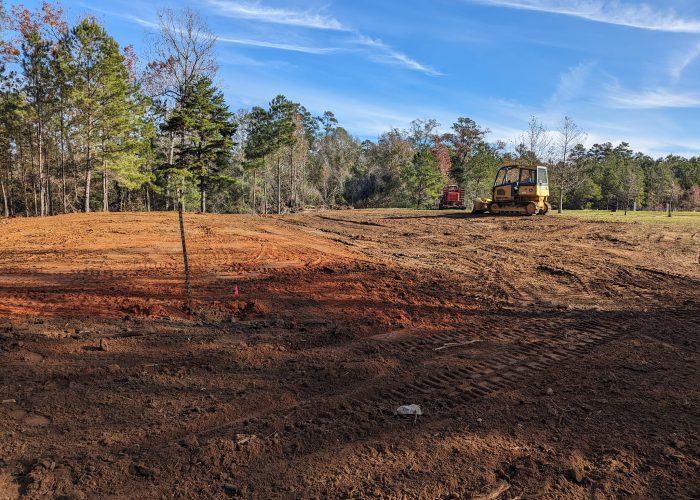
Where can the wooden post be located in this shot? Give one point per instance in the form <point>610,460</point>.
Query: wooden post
<point>188,287</point>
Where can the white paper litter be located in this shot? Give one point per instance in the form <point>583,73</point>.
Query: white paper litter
<point>409,410</point>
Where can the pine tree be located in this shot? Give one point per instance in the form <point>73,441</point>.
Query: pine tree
<point>422,177</point>
<point>282,121</point>
<point>106,110</point>
<point>206,127</point>
<point>259,145</point>
<point>87,45</point>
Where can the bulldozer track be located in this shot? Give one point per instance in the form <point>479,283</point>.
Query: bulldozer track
<point>357,411</point>
<point>439,391</point>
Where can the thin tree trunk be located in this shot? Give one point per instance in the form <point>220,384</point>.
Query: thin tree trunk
<point>105,191</point>
<point>279,186</point>
<point>36,202</point>
<point>265,182</point>
<point>49,197</point>
<point>23,173</point>
<point>171,152</point>
<point>64,195</point>
<point>88,179</point>
<point>171,157</point>
<point>167,192</point>
<point>11,190</point>
<point>561,201</point>
<point>254,189</point>
<point>33,174</point>
<point>4,198</point>
<point>42,178</point>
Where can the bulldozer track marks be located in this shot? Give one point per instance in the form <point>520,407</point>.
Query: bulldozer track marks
<point>356,410</point>
<point>440,392</point>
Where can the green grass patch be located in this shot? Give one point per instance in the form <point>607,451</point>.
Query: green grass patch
<point>682,218</point>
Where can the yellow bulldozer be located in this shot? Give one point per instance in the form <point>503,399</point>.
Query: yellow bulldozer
<point>518,189</point>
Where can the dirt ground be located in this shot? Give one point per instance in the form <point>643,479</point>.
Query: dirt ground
<point>552,357</point>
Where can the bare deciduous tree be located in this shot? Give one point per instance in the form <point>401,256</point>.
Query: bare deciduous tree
<point>536,143</point>
<point>568,170</point>
<point>183,53</point>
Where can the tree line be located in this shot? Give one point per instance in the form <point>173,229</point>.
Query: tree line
<point>85,126</point>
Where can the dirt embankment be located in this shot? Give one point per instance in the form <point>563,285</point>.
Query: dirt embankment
<point>552,356</point>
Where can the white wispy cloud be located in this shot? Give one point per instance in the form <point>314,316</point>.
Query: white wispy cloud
<point>650,99</point>
<point>385,53</point>
<point>375,49</point>
<point>257,12</point>
<point>572,83</point>
<point>138,20</point>
<point>633,15</point>
<point>233,40</point>
<point>279,46</point>
<point>682,61</point>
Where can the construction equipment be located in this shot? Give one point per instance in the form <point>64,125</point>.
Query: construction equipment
<point>452,198</point>
<point>518,189</point>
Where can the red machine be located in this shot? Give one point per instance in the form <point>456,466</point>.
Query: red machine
<point>452,198</point>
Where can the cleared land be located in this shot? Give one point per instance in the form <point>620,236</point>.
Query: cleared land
<point>557,356</point>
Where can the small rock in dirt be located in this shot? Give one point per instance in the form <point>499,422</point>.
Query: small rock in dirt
<point>677,443</point>
<point>104,345</point>
<point>113,368</point>
<point>142,470</point>
<point>190,441</point>
<point>500,488</point>
<point>231,489</point>
<point>550,391</point>
<point>8,401</point>
<point>577,471</point>
<point>674,454</point>
<point>244,438</point>
<point>36,420</point>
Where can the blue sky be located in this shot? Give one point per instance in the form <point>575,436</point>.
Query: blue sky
<point>623,70</point>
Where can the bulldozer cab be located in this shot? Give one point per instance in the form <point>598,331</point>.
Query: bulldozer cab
<point>517,174</point>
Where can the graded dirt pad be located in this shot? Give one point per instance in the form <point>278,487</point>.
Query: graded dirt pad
<point>552,357</point>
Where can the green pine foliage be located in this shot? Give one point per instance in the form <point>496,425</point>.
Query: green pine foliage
<point>205,128</point>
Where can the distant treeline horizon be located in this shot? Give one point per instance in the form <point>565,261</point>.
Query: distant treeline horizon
<point>85,126</point>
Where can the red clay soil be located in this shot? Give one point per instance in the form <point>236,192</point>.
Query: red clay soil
<point>552,357</point>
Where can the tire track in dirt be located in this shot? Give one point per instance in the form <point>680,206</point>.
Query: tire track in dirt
<point>444,393</point>
<point>361,412</point>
